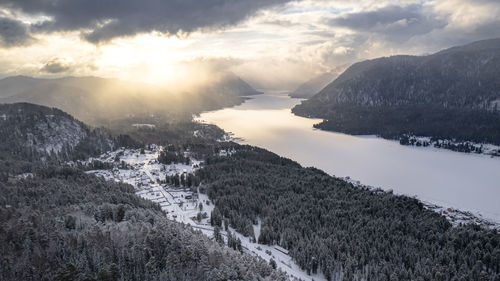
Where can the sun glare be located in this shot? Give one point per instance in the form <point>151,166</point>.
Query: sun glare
<point>147,58</point>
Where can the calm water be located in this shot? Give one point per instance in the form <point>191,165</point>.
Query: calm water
<point>450,179</point>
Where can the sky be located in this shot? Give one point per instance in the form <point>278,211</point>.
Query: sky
<point>272,44</point>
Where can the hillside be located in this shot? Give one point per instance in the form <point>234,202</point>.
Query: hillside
<point>34,133</point>
<point>230,84</point>
<point>347,232</point>
<point>452,94</point>
<point>316,84</point>
<point>98,100</point>
<point>66,225</point>
<point>313,86</point>
<point>59,223</point>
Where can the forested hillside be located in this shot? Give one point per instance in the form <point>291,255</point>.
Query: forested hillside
<point>398,95</point>
<point>342,230</point>
<point>66,225</point>
<point>31,133</point>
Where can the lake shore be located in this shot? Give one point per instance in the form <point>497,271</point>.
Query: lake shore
<point>454,180</point>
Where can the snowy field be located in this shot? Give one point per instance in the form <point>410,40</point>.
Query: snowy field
<point>147,176</point>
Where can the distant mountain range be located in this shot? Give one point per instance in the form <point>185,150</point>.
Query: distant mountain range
<point>94,99</point>
<point>452,94</point>
<point>316,84</point>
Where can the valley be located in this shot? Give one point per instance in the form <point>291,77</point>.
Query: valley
<point>249,140</point>
<point>183,204</point>
<point>455,180</point>
<point>267,209</point>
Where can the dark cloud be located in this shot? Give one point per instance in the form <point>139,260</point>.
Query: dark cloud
<point>13,33</point>
<point>321,33</point>
<point>487,30</point>
<point>457,36</point>
<point>55,66</point>
<point>106,19</point>
<point>394,23</point>
<point>282,23</point>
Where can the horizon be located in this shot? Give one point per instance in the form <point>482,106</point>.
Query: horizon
<point>266,90</point>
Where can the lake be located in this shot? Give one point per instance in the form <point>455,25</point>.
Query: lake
<point>467,182</point>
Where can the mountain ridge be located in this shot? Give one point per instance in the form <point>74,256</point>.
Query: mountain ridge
<point>96,100</point>
<point>33,135</point>
<point>461,79</point>
<point>317,83</point>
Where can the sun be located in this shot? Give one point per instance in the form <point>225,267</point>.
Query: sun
<point>146,58</point>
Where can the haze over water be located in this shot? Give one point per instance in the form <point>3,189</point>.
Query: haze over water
<point>451,179</point>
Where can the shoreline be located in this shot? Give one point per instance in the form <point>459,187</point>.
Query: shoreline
<point>455,216</point>
<point>453,212</point>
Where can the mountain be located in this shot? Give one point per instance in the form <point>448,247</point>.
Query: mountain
<point>452,94</point>
<point>14,85</point>
<point>313,86</point>
<point>230,84</point>
<point>316,84</point>
<point>32,133</point>
<point>98,100</point>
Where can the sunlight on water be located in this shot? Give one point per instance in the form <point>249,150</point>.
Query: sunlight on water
<point>451,179</point>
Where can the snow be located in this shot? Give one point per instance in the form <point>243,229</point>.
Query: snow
<point>51,135</point>
<point>487,148</point>
<point>149,126</point>
<point>283,261</point>
<point>25,176</point>
<point>145,174</point>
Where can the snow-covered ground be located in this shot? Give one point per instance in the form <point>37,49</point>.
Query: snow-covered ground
<point>147,175</point>
<point>483,148</point>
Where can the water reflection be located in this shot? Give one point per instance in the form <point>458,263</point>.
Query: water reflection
<point>465,181</point>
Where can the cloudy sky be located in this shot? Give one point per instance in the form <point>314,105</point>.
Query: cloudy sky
<point>273,44</point>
